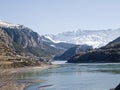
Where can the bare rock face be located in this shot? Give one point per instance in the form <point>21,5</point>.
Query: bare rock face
<point>23,35</point>
<point>5,38</point>
<point>24,40</point>
<point>20,46</point>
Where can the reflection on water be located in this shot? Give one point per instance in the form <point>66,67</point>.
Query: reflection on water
<point>75,77</point>
<point>59,62</point>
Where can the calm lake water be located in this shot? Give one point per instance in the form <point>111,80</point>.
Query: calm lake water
<point>75,77</point>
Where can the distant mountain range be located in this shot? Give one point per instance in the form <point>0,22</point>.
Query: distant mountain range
<point>20,44</point>
<point>61,46</point>
<point>73,51</point>
<point>95,38</point>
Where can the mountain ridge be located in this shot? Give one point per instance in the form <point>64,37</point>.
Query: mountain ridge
<point>21,46</point>
<point>25,39</point>
<point>95,38</point>
<point>73,51</point>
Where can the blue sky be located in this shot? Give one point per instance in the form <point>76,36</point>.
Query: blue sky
<point>54,16</point>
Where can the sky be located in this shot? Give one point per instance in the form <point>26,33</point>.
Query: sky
<point>55,16</point>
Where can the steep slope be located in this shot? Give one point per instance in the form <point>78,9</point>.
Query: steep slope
<point>95,38</point>
<point>106,54</point>
<point>5,38</point>
<point>115,41</point>
<point>10,59</point>
<point>25,40</point>
<point>20,46</point>
<point>73,51</point>
<point>58,45</point>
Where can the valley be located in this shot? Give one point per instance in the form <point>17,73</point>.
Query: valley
<point>23,51</point>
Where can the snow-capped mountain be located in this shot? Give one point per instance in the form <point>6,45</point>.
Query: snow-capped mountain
<point>11,25</point>
<point>95,38</point>
<point>56,44</point>
<point>7,24</point>
<point>22,39</point>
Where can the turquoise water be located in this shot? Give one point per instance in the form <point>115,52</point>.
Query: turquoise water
<point>75,77</point>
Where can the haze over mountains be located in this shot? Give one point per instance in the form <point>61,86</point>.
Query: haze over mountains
<point>95,38</point>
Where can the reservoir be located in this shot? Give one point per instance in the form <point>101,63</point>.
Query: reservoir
<point>90,76</point>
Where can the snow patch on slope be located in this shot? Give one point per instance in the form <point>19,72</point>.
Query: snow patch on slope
<point>6,24</point>
<point>50,38</point>
<point>95,38</point>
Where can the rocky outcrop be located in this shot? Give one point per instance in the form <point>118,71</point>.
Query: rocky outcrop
<point>4,38</point>
<point>118,87</point>
<point>23,35</point>
<point>107,54</point>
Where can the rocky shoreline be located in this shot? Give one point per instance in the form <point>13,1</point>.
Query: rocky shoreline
<point>116,88</point>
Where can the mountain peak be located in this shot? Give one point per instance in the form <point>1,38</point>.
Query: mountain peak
<point>7,24</point>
